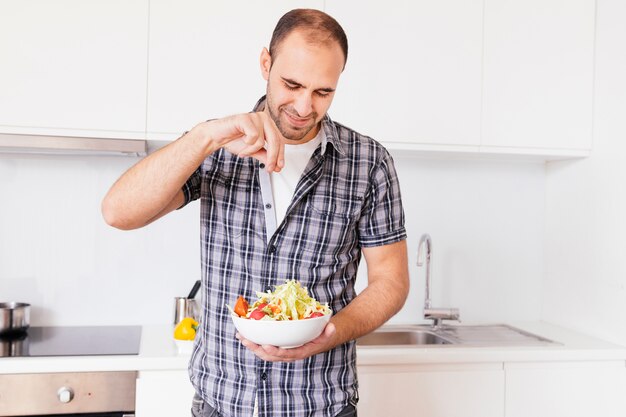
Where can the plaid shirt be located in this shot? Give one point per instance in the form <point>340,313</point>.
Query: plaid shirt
<point>348,198</point>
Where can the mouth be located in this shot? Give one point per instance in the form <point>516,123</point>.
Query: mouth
<point>297,122</point>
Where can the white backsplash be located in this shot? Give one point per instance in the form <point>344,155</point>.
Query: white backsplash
<point>485,217</point>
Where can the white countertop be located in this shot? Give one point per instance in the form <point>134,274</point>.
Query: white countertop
<point>158,351</point>
<point>570,346</point>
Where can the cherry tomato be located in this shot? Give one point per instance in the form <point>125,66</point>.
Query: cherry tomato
<point>275,309</point>
<point>257,314</point>
<point>316,314</point>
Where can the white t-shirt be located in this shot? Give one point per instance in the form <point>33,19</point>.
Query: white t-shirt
<point>284,182</point>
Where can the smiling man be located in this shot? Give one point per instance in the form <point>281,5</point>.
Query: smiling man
<point>286,193</point>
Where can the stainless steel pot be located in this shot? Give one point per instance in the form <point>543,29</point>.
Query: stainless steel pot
<point>14,344</point>
<point>14,318</point>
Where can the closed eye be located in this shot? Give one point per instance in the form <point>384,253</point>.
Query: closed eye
<point>292,86</point>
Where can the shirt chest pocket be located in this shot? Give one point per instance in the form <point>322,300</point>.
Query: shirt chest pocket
<point>234,203</point>
<point>338,205</point>
<point>332,226</point>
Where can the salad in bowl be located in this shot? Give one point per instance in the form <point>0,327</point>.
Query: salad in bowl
<point>286,317</point>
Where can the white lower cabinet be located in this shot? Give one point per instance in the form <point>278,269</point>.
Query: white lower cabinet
<point>163,394</point>
<point>511,389</point>
<point>386,390</point>
<point>567,389</point>
<point>431,390</point>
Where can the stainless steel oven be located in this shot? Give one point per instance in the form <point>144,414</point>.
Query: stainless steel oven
<point>94,394</point>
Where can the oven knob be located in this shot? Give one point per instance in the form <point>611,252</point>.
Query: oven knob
<point>65,394</point>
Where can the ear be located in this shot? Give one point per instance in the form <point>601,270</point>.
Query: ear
<point>266,64</point>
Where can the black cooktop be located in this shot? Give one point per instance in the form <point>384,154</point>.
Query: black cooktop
<point>72,341</point>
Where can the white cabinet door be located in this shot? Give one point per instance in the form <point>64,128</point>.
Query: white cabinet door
<point>163,394</point>
<point>538,73</point>
<point>576,389</point>
<point>414,70</point>
<point>73,67</point>
<point>204,59</point>
<point>431,390</point>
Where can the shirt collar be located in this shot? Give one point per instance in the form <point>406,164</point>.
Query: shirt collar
<point>330,130</point>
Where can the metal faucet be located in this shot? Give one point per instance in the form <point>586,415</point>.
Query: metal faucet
<point>436,314</point>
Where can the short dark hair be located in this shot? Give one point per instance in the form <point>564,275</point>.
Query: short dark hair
<point>317,27</point>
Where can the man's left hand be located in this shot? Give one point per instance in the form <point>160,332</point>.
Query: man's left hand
<point>270,353</point>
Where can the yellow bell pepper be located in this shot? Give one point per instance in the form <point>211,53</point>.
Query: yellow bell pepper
<point>186,329</point>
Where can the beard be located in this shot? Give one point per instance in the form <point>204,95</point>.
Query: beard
<point>288,132</point>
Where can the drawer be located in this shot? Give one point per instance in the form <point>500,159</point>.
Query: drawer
<point>67,393</point>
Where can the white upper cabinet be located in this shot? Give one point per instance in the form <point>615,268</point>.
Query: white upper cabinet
<point>510,77</point>
<point>538,74</point>
<point>73,67</point>
<point>414,70</point>
<point>204,59</point>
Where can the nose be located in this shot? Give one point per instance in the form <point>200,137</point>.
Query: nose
<point>303,103</point>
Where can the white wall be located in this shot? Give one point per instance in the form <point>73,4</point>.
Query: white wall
<point>57,253</point>
<point>486,222</point>
<point>485,218</point>
<point>585,273</point>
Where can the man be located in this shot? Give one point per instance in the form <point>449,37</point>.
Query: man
<point>286,193</point>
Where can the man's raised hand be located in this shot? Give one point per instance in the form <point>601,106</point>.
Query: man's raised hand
<point>248,135</point>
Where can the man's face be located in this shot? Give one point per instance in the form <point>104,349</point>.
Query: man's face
<point>301,83</point>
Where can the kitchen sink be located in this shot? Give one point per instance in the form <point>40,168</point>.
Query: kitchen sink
<point>486,335</point>
<point>401,338</point>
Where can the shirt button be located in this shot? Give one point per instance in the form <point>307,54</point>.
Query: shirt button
<point>261,165</point>
<point>263,376</point>
<point>272,249</point>
<point>268,206</point>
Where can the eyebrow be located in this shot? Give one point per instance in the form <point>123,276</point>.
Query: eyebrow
<point>297,84</point>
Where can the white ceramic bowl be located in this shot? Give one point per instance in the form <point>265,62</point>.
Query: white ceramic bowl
<point>284,334</point>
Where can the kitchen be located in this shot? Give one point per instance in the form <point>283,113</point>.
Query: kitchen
<point>522,234</point>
